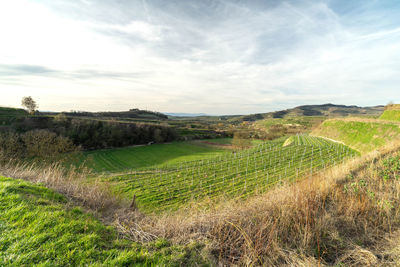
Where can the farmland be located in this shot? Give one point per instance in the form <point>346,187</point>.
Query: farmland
<point>206,188</point>
<point>151,156</point>
<point>129,158</point>
<point>229,175</point>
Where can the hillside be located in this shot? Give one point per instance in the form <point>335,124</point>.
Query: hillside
<point>364,135</point>
<point>392,113</point>
<point>9,115</point>
<point>241,174</point>
<point>132,114</point>
<point>40,227</point>
<point>326,110</point>
<point>134,157</point>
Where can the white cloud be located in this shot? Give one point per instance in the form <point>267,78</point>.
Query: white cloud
<point>236,59</point>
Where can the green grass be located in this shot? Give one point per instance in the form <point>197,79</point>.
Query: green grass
<point>39,228</point>
<point>219,141</point>
<point>4,111</point>
<point>230,175</point>
<point>128,158</point>
<point>363,136</point>
<point>392,115</point>
<point>9,115</point>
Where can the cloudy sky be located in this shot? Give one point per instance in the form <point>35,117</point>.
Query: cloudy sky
<point>211,56</point>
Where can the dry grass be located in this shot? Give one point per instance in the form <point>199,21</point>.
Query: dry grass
<point>329,219</point>
<point>71,183</point>
<point>339,217</point>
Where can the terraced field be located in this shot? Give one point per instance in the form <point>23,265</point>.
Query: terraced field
<point>229,175</point>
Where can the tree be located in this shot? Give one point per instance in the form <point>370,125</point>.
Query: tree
<point>29,103</point>
<point>241,140</point>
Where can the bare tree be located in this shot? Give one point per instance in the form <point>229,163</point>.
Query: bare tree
<point>29,103</point>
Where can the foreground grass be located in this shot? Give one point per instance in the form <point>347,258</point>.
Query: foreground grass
<point>38,227</point>
<point>364,136</point>
<point>128,158</point>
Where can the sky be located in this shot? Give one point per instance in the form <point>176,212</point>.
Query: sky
<point>198,56</point>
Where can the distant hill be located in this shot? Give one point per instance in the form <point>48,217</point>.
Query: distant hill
<point>130,114</point>
<point>327,110</point>
<point>186,114</point>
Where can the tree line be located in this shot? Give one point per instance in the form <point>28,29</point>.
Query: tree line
<point>43,135</point>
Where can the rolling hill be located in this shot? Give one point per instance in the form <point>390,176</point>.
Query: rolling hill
<point>325,110</point>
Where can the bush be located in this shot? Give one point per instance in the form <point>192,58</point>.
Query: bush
<point>35,143</point>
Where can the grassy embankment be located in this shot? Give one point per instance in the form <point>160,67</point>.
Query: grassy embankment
<point>40,227</point>
<point>229,175</point>
<point>364,135</point>
<point>392,113</point>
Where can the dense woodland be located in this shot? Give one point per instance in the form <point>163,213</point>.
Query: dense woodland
<point>66,134</point>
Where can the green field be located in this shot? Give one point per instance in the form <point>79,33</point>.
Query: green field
<point>129,158</point>
<point>363,136</point>
<point>228,175</point>
<point>39,228</point>
<point>391,115</point>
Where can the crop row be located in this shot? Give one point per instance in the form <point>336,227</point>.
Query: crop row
<point>234,175</point>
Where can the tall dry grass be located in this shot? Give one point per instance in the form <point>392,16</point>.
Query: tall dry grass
<point>71,182</point>
<point>336,217</point>
<point>339,216</point>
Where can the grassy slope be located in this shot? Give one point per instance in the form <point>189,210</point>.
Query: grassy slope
<point>232,175</point>
<point>392,115</point>
<point>4,111</point>
<point>39,228</point>
<point>123,159</point>
<point>8,115</point>
<point>363,136</point>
